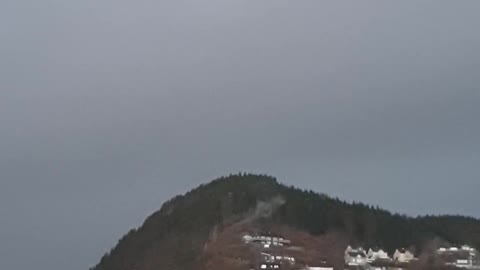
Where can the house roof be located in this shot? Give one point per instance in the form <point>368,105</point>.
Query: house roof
<point>403,251</point>
<point>349,248</point>
<point>356,253</point>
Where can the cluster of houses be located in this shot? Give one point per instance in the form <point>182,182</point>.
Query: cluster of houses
<point>464,257</point>
<point>360,257</point>
<point>272,253</point>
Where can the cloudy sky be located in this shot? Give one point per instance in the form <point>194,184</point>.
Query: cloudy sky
<point>108,108</point>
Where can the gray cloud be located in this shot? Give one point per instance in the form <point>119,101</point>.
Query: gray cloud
<point>110,108</point>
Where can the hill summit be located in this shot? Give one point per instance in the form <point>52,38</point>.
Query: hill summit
<point>203,228</point>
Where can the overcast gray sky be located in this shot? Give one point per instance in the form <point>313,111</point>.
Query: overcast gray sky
<point>108,108</point>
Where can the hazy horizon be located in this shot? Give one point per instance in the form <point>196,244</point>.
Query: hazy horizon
<point>109,108</point>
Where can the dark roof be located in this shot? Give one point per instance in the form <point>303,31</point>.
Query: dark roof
<point>356,253</point>
<point>403,250</point>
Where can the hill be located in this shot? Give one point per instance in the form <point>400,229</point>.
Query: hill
<point>202,229</point>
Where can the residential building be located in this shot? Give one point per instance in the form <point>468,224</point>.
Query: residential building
<point>403,256</point>
<point>355,256</point>
<point>267,241</point>
<point>375,254</point>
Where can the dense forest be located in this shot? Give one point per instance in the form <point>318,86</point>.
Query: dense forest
<point>174,237</point>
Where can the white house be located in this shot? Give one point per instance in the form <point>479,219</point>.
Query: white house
<point>442,250</point>
<point>323,265</point>
<point>319,268</point>
<point>247,238</point>
<point>469,249</point>
<point>355,256</point>
<point>266,241</point>
<point>269,258</point>
<point>377,254</point>
<point>403,256</point>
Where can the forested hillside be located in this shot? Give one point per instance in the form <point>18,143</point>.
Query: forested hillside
<point>175,236</point>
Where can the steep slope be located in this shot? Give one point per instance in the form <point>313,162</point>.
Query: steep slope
<point>193,230</point>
